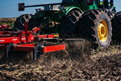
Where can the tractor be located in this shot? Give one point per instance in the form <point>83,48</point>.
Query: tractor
<point>94,20</point>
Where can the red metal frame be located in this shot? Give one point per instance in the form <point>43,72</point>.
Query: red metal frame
<point>53,48</point>
<point>35,29</point>
<point>24,47</point>
<point>46,49</point>
<point>22,40</point>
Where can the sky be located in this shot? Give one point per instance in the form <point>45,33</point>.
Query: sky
<point>9,8</point>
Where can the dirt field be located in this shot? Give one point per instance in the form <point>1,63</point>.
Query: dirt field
<point>8,21</point>
<point>77,63</point>
<point>12,19</point>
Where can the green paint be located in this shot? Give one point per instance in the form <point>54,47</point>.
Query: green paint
<point>69,5</point>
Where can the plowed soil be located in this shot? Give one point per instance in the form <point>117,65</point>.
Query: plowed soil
<point>77,63</point>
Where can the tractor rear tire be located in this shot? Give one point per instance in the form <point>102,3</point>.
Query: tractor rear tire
<point>95,26</point>
<point>68,27</point>
<point>110,14</point>
<point>32,22</point>
<point>116,25</point>
<point>19,23</point>
<point>35,23</point>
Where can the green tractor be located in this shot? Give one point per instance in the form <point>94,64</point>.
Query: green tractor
<point>94,20</point>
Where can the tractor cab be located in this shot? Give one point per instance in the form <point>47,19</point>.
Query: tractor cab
<point>71,1</point>
<point>87,2</point>
<point>104,3</point>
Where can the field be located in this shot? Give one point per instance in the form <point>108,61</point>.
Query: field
<point>9,21</point>
<point>79,62</point>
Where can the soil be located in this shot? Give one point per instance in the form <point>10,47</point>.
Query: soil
<point>8,19</point>
<point>77,63</point>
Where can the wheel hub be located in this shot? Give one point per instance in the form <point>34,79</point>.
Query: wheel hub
<point>102,31</point>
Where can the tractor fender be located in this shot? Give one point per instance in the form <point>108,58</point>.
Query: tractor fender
<point>69,9</point>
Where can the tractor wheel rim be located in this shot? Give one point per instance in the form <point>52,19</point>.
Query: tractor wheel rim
<point>102,31</point>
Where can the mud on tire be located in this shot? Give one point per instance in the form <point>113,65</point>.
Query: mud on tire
<point>89,25</point>
<point>109,13</point>
<point>68,27</point>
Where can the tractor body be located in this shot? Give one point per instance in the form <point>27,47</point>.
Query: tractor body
<point>52,14</point>
<point>65,18</point>
<point>57,11</point>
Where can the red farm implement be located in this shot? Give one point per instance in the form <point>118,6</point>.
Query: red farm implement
<point>3,27</point>
<point>28,41</point>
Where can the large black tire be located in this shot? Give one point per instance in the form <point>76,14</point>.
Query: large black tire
<point>68,27</point>
<point>32,22</point>
<point>89,27</point>
<point>110,13</point>
<point>35,22</point>
<point>19,23</point>
<point>116,25</point>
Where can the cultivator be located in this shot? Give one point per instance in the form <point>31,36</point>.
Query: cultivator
<point>4,27</point>
<point>28,41</point>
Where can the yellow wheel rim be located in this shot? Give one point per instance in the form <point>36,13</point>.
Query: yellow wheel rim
<point>102,31</point>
